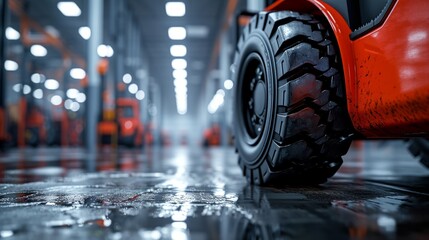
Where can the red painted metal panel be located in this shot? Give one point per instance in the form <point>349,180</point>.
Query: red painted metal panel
<point>392,88</point>
<point>386,72</point>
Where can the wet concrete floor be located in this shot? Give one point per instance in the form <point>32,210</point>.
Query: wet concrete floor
<point>381,192</point>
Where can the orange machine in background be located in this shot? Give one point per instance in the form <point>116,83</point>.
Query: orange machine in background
<point>212,136</point>
<point>129,125</point>
<point>35,131</point>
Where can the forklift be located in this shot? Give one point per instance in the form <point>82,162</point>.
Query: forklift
<point>313,75</point>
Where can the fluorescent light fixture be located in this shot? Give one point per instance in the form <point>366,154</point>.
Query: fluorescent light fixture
<point>177,33</point>
<point>175,9</point>
<point>110,51</point>
<point>178,50</point>
<point>38,50</point>
<point>180,88</point>
<point>75,106</point>
<point>220,92</point>
<point>68,103</point>
<point>228,84</point>
<point>10,65</point>
<point>180,74</point>
<point>216,101</point>
<point>26,90</point>
<point>37,78</point>
<point>182,110</point>
<point>56,100</point>
<point>133,88</point>
<point>81,98</point>
<point>179,63</point>
<point>105,50</point>
<point>17,87</point>
<point>140,95</point>
<point>69,9</point>
<point>6,233</point>
<point>77,73</point>
<point>72,93</point>
<point>38,93</point>
<point>85,32</point>
<point>180,82</point>
<point>12,34</point>
<point>181,95</point>
<point>52,84</point>
<point>127,78</point>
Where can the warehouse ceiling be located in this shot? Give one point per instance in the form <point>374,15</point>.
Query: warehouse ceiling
<point>203,20</point>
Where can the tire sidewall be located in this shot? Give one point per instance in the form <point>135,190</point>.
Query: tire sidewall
<point>253,154</point>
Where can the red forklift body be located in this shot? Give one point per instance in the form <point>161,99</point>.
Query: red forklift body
<point>385,69</point>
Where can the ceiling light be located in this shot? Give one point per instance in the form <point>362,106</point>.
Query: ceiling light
<point>36,77</point>
<point>72,93</point>
<point>180,74</point>
<point>180,82</point>
<point>26,90</point>
<point>56,100</point>
<point>180,89</point>
<point>177,33</point>
<point>140,95</point>
<point>81,98</point>
<point>105,50</point>
<point>182,111</point>
<point>51,84</point>
<point>228,84</point>
<point>38,50</point>
<point>110,51</point>
<point>85,32</point>
<point>220,92</point>
<point>179,63</point>
<point>178,50</point>
<point>69,9</point>
<point>10,65</point>
<point>38,93</point>
<point>68,103</point>
<point>133,88</point>
<point>17,87</point>
<point>216,102</point>
<point>127,78</point>
<point>75,106</point>
<point>12,34</point>
<point>175,9</point>
<point>77,73</point>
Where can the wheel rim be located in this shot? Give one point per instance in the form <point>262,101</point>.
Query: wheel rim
<point>254,98</point>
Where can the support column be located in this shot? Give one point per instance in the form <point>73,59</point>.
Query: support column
<point>3,10</point>
<point>93,102</point>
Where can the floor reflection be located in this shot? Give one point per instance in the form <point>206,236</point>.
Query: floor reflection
<point>380,192</point>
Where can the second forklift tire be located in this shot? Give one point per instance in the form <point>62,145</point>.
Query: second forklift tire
<point>290,119</point>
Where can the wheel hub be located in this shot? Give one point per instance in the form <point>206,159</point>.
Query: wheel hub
<point>259,97</point>
<point>255,97</point>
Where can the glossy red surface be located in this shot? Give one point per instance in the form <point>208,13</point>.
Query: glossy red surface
<point>385,71</point>
<point>391,97</point>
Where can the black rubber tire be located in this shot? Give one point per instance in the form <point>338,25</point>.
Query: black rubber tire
<point>304,129</point>
<point>419,147</point>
